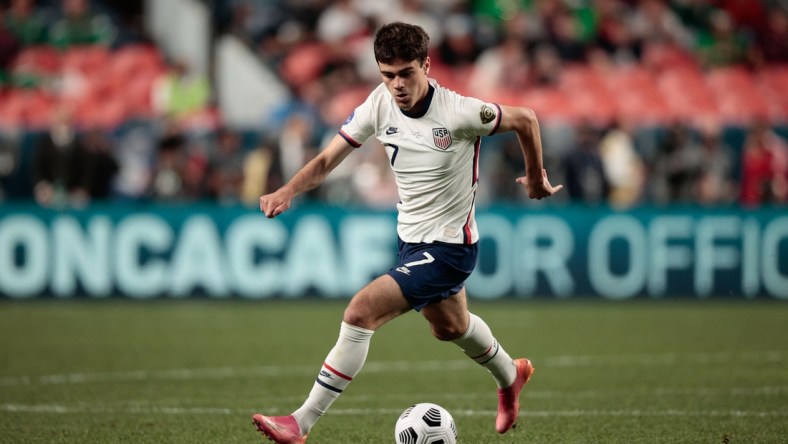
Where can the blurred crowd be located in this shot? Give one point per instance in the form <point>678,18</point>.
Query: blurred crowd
<point>178,150</point>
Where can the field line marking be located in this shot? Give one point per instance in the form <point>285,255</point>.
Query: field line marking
<point>63,409</point>
<point>561,361</point>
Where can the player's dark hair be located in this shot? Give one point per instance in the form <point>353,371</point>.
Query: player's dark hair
<point>402,42</point>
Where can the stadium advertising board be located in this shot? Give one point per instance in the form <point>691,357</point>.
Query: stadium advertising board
<point>173,252</point>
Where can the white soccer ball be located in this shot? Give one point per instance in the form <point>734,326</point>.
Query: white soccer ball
<point>425,423</point>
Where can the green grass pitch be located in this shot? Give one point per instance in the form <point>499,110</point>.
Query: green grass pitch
<point>195,372</point>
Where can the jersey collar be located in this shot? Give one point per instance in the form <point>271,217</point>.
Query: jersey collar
<point>427,102</point>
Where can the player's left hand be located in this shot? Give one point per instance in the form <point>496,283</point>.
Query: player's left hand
<point>538,187</point>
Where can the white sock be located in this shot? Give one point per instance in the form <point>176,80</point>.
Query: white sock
<point>342,364</point>
<point>480,345</point>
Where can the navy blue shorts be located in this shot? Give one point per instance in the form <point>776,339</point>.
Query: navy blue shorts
<point>429,273</point>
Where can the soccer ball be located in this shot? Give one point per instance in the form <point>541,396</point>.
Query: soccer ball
<point>425,423</point>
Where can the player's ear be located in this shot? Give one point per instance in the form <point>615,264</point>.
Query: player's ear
<point>426,65</point>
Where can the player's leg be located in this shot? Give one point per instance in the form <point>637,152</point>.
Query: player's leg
<point>376,304</point>
<point>451,321</point>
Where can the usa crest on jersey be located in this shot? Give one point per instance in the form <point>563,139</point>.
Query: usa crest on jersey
<point>441,137</point>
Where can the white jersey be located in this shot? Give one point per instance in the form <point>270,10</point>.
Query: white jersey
<point>434,156</point>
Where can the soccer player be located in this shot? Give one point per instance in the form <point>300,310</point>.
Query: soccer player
<point>432,138</point>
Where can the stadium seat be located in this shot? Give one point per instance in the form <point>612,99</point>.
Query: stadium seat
<point>659,57</point>
<point>87,60</point>
<point>30,109</point>
<point>686,94</point>
<point>304,64</point>
<point>131,59</point>
<point>772,83</point>
<point>636,95</point>
<point>343,103</point>
<point>107,112</point>
<point>590,98</point>
<point>737,96</point>
<point>550,104</point>
<point>34,65</point>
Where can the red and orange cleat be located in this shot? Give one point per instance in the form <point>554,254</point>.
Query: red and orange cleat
<point>279,429</point>
<point>509,397</point>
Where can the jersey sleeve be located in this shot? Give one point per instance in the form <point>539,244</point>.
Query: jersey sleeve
<point>360,125</point>
<point>478,118</point>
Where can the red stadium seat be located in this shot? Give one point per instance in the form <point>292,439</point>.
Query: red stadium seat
<point>687,95</point>
<point>550,104</point>
<point>106,113</point>
<point>589,95</point>
<point>660,57</point>
<point>737,96</point>
<point>304,64</point>
<point>344,102</point>
<point>31,109</point>
<point>35,65</point>
<point>86,59</point>
<point>772,83</point>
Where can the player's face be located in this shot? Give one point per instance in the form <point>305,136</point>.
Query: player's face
<point>406,81</point>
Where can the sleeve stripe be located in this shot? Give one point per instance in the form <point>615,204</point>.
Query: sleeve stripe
<point>497,120</point>
<point>349,139</point>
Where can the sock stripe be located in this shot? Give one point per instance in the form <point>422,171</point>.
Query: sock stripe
<point>485,352</point>
<point>496,352</point>
<point>330,387</point>
<point>341,375</point>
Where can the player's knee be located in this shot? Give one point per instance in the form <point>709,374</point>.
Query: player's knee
<point>447,332</point>
<point>358,319</point>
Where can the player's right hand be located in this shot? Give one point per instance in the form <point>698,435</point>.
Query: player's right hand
<point>274,204</point>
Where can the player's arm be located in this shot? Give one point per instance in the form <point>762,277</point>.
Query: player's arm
<point>307,178</point>
<point>523,122</point>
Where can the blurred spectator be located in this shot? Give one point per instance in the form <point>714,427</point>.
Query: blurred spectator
<point>226,167</point>
<point>566,38</point>
<point>547,66</point>
<point>261,174</point>
<point>196,173</point>
<point>716,184</point>
<point>59,165</point>
<point>747,15</point>
<point>676,167</point>
<point>623,166</point>
<point>764,166</point>
<point>722,45</point>
<point>136,154</point>
<point>26,23</point>
<point>458,49</point>
<point>504,165</point>
<point>9,159</point>
<point>585,174</point>
<point>251,20</point>
<point>9,48</point>
<point>180,93</point>
<point>654,22</point>
<point>773,39</point>
<point>414,12</point>
<point>100,166</point>
<point>170,167</point>
<point>340,21</point>
<point>296,144</point>
<point>502,67</point>
<point>131,29</point>
<point>614,35</point>
<point>80,26</point>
